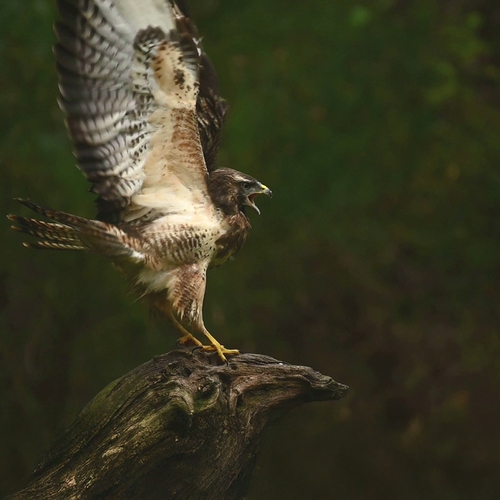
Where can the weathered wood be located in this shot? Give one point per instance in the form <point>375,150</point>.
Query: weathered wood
<point>179,426</point>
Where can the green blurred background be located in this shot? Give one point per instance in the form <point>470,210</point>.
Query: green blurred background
<point>377,125</point>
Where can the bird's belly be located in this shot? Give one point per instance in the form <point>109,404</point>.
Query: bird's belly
<point>172,251</point>
<point>168,247</point>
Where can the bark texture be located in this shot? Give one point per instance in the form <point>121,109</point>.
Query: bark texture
<point>180,426</point>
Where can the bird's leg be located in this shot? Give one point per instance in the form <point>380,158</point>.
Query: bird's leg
<point>217,346</point>
<point>185,300</point>
<point>187,338</point>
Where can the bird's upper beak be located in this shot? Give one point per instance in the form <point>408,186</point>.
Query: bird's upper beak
<point>261,190</point>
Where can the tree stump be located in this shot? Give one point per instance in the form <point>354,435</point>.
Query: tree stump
<point>181,426</point>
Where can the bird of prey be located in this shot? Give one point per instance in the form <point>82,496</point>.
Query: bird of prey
<point>145,115</point>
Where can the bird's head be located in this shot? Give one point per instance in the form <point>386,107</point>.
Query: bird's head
<point>232,191</point>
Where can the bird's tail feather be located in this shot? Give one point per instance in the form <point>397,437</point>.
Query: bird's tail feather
<point>61,235</point>
<point>70,232</point>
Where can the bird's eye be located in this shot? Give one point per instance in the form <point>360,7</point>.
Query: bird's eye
<point>247,185</point>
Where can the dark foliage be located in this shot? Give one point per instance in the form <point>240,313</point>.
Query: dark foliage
<point>377,126</point>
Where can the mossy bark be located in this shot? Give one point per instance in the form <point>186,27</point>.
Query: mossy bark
<point>180,426</point>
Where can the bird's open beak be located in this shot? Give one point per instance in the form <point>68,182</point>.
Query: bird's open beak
<point>263,190</point>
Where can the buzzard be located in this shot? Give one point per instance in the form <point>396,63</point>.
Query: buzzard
<point>145,115</point>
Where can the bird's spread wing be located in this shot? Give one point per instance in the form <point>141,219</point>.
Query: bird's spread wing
<point>143,129</point>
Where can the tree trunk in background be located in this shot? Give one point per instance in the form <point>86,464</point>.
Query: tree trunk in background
<point>179,426</point>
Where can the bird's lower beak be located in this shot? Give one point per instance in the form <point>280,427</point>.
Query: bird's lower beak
<point>263,190</point>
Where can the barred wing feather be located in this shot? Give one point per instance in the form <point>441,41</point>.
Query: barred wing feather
<point>129,82</point>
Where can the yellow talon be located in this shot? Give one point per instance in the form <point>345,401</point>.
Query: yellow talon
<point>221,350</point>
<point>188,339</point>
<point>217,346</point>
